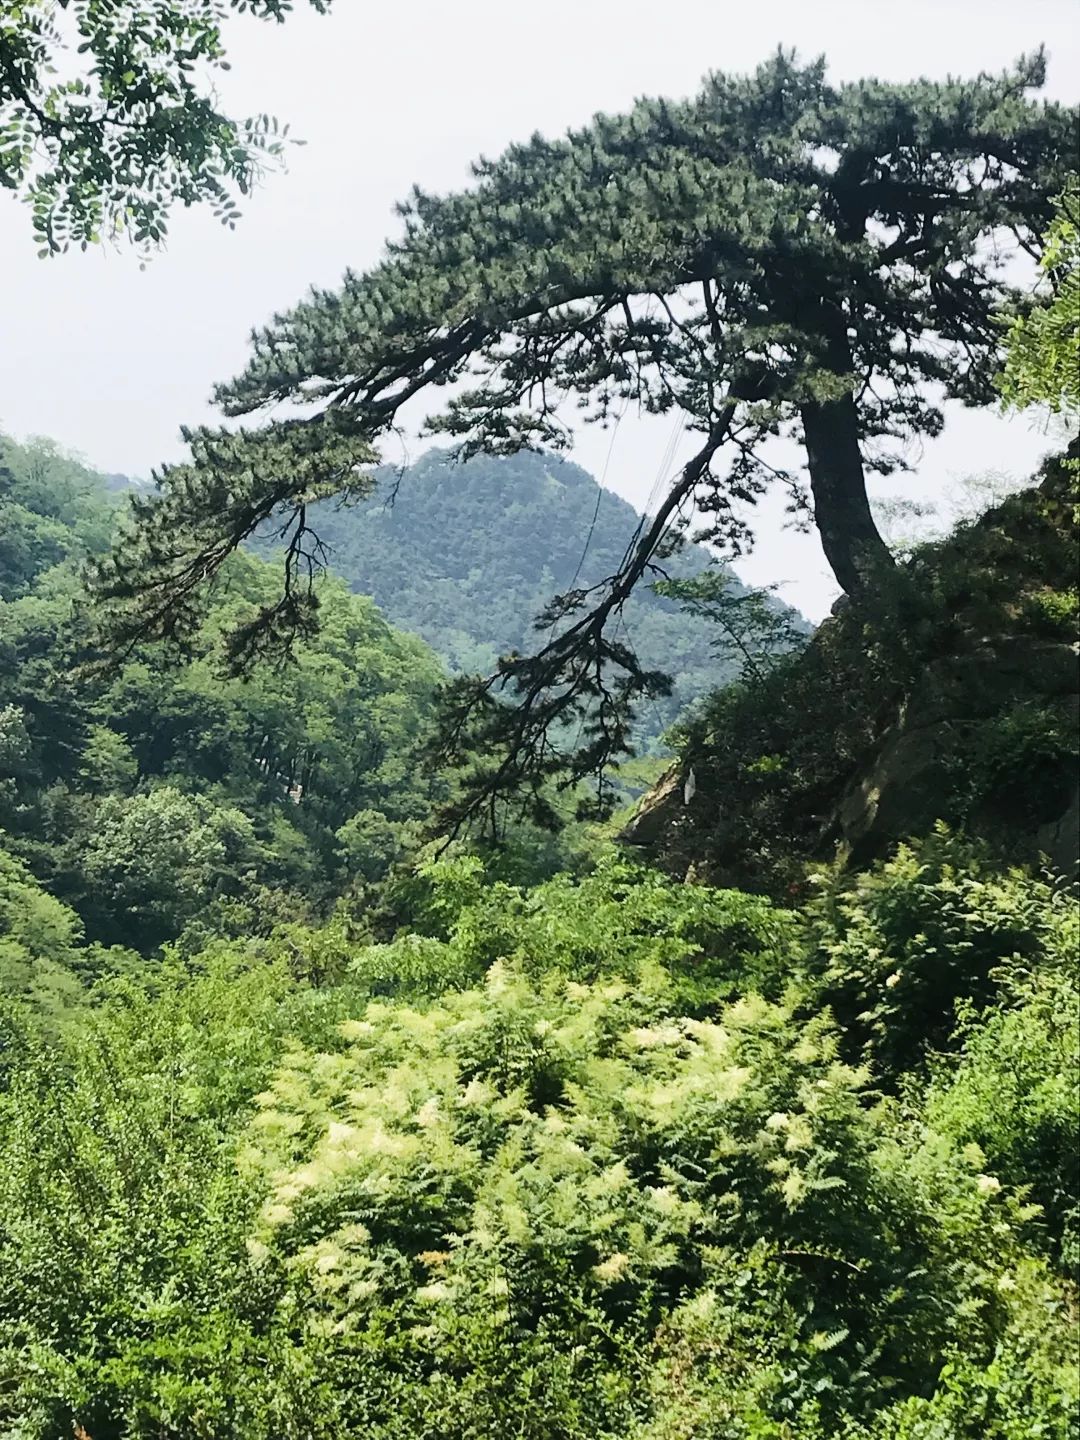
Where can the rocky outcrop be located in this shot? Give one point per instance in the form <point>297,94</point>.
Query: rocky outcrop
<point>1059,840</point>
<point>905,785</point>
<point>953,693</point>
<point>900,793</point>
<point>657,811</point>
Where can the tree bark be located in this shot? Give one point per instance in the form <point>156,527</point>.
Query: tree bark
<point>849,537</point>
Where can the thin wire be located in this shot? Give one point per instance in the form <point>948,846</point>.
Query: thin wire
<point>654,492</point>
<point>599,493</point>
<point>658,482</point>
<point>661,476</point>
<point>665,462</point>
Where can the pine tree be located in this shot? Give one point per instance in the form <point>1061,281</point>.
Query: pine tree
<point>777,256</point>
<point>1042,360</point>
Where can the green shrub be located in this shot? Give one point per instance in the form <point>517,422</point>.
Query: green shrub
<point>550,1182</point>
<point>39,944</point>
<point>1027,1389</point>
<point>129,1301</point>
<point>715,943</point>
<point>44,964</point>
<point>899,951</point>
<point>1015,1092</point>
<point>1056,610</point>
<point>527,1201</point>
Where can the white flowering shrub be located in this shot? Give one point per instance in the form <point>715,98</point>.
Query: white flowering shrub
<point>523,1177</point>
<point>562,1208</point>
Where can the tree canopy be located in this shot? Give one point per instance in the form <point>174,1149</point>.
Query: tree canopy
<point>102,141</point>
<point>163,798</point>
<point>1042,361</point>
<point>776,256</point>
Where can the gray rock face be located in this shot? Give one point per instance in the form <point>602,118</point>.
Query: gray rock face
<point>907,783</point>
<point>1059,840</point>
<point>657,810</point>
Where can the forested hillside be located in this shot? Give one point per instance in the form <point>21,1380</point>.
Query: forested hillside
<point>357,1078</point>
<point>468,555</point>
<point>163,797</point>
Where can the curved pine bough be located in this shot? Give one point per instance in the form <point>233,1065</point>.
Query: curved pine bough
<point>776,257</point>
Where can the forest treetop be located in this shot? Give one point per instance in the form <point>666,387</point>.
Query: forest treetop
<point>759,256</point>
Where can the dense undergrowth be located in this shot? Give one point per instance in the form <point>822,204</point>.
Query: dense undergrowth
<point>610,1157</point>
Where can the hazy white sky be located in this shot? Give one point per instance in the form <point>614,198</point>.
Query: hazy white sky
<point>110,360</point>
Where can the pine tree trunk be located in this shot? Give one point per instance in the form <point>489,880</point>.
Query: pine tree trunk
<point>849,537</point>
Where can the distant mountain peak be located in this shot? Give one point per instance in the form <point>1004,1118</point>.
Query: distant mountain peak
<point>467,553</point>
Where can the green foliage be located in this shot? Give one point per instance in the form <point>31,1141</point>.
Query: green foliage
<point>1042,348</point>
<point>548,1165</point>
<point>54,509</point>
<point>537,1187</point>
<point>1027,1390</point>
<point>162,798</point>
<point>1058,609</point>
<point>38,942</point>
<point>102,138</point>
<point>457,1173</point>
<point>900,952</point>
<point>495,1149</point>
<point>156,861</point>
<point>618,921</point>
<point>47,970</point>
<point>750,628</point>
<point>1019,763</point>
<point>1016,1090</point>
<point>108,763</point>
<point>130,1304</point>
